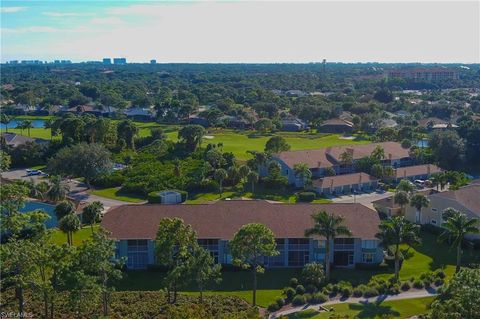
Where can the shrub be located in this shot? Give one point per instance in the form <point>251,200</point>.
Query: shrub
<point>306,196</point>
<point>289,292</point>
<point>406,286</point>
<point>273,307</point>
<point>293,282</point>
<point>114,179</point>
<point>299,300</point>
<point>357,292</point>
<point>153,197</point>
<point>346,292</point>
<point>311,289</point>
<point>318,298</point>
<point>394,289</point>
<point>439,282</point>
<point>418,284</point>
<point>300,290</point>
<point>439,273</point>
<point>370,292</point>
<point>427,282</point>
<point>280,302</point>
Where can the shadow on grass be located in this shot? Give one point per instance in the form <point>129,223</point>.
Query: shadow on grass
<point>372,310</point>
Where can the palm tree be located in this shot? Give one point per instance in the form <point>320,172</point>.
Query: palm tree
<point>395,232</point>
<point>233,174</point>
<point>457,225</point>
<point>302,171</point>
<point>27,125</point>
<point>5,119</point>
<point>419,201</point>
<point>92,213</point>
<point>64,208</point>
<point>406,186</point>
<point>177,169</point>
<point>48,124</point>
<point>252,177</point>
<point>328,226</point>
<point>220,175</point>
<point>69,224</point>
<point>401,198</point>
<point>58,189</point>
<point>243,171</point>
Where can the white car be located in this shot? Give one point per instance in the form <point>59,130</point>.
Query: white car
<point>419,183</point>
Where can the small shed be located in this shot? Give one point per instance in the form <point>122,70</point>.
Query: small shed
<point>170,197</point>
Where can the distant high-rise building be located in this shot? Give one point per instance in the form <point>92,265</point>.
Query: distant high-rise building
<point>13,62</point>
<point>119,61</point>
<point>107,61</point>
<point>153,61</point>
<point>425,74</point>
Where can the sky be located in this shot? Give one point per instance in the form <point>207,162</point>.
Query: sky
<point>242,31</point>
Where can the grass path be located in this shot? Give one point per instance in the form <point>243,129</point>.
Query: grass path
<point>115,193</point>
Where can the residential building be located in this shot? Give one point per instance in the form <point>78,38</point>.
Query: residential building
<point>14,140</point>
<point>466,199</point>
<point>107,61</point>
<point>388,206</point>
<point>153,61</point>
<point>295,93</point>
<point>424,74</point>
<point>336,126</point>
<point>320,159</point>
<point>119,61</point>
<point>432,123</point>
<point>293,124</point>
<point>415,172</point>
<point>344,184</point>
<point>134,228</point>
<point>140,112</point>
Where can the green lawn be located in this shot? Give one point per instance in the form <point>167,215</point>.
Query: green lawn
<point>285,196</point>
<point>115,193</point>
<point>428,257</point>
<point>396,308</point>
<point>78,237</point>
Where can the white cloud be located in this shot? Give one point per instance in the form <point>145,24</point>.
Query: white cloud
<point>11,9</point>
<point>66,14</point>
<point>33,29</point>
<point>110,21</point>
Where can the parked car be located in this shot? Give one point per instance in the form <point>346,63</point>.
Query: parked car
<point>419,183</point>
<point>34,172</point>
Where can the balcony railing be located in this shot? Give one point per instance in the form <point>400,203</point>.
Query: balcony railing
<point>298,246</point>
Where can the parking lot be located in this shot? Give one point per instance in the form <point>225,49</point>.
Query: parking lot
<point>365,199</point>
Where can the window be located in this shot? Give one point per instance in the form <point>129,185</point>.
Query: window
<point>368,257</point>
<point>369,244</point>
<point>298,258</point>
<point>137,254</point>
<point>433,221</point>
<point>434,209</point>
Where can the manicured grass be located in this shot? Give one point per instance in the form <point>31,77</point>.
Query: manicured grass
<point>396,309</point>
<point>34,132</point>
<point>78,237</point>
<point>239,142</point>
<point>115,193</point>
<point>279,195</point>
<point>427,257</point>
<point>234,283</point>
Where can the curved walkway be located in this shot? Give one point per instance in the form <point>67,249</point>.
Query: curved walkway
<point>411,294</point>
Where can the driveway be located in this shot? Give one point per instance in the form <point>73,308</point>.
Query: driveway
<point>365,199</point>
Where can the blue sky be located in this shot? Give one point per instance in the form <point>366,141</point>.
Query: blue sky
<point>241,31</point>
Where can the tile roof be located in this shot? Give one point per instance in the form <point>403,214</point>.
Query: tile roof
<point>435,120</point>
<point>318,158</point>
<point>222,219</point>
<point>417,170</point>
<point>468,196</point>
<point>341,180</point>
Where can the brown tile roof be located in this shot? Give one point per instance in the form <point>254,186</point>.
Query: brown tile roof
<point>318,158</point>
<point>391,149</point>
<point>341,180</point>
<point>417,170</point>
<point>222,219</point>
<point>313,158</point>
<point>468,196</point>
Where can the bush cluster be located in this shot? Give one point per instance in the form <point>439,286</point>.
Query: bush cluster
<point>306,196</point>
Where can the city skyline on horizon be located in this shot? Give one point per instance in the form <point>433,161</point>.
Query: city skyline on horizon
<point>237,32</point>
